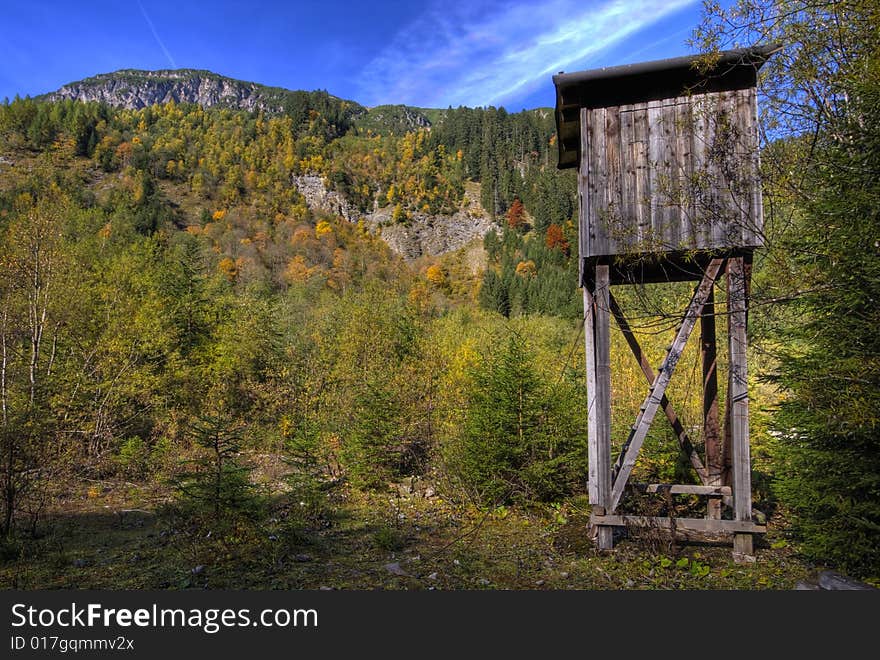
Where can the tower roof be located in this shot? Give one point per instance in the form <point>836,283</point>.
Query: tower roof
<point>647,81</point>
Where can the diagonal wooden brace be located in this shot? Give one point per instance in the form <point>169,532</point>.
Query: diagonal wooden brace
<point>637,434</point>
<point>680,433</point>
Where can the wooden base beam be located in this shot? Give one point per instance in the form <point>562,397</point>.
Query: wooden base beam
<point>681,489</point>
<point>740,528</point>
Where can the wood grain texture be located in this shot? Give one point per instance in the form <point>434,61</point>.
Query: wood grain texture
<point>672,174</point>
<point>602,411</point>
<point>681,489</point>
<point>592,419</point>
<point>739,391</point>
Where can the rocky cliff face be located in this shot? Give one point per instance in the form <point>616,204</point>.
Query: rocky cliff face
<point>424,234</point>
<point>138,89</point>
<point>421,234</point>
<point>392,120</point>
<point>320,198</point>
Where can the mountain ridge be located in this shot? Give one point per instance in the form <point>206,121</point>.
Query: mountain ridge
<point>139,88</point>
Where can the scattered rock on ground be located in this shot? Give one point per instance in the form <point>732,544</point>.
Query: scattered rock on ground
<point>395,569</point>
<point>834,581</point>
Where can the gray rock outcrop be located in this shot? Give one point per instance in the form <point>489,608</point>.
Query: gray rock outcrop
<point>320,198</point>
<point>420,234</point>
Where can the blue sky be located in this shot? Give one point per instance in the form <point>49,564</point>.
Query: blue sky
<point>434,53</point>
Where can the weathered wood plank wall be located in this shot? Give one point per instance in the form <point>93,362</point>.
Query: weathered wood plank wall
<point>671,175</point>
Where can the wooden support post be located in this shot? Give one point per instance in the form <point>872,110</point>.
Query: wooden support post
<point>603,393</point>
<point>590,351</point>
<point>711,429</point>
<point>598,421</point>
<point>739,404</point>
<point>680,433</point>
<point>726,443</point>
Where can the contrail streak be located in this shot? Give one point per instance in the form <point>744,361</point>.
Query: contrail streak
<point>156,35</point>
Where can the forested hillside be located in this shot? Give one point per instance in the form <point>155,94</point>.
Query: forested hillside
<point>211,379</point>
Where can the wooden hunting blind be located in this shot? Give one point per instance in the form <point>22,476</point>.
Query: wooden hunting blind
<point>667,158</point>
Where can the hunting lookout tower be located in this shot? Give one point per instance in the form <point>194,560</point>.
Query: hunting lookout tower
<point>667,158</point>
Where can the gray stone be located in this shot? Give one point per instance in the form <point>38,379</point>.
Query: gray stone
<point>319,198</point>
<point>834,581</point>
<point>139,89</point>
<point>395,569</point>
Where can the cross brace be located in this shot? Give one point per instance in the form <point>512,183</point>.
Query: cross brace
<point>680,433</point>
<point>656,393</point>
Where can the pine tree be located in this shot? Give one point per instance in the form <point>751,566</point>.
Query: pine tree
<point>518,440</point>
<point>829,450</point>
<point>494,295</point>
<point>821,103</point>
<point>218,480</point>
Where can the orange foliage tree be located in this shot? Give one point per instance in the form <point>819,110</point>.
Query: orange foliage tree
<point>516,215</point>
<point>228,267</point>
<point>555,239</point>
<point>435,275</point>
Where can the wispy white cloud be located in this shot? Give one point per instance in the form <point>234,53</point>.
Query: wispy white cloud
<point>488,52</point>
<point>156,35</point>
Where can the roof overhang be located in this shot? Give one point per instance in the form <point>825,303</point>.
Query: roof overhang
<point>648,81</point>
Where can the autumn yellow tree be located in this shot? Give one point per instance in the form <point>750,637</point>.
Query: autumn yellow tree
<point>436,275</point>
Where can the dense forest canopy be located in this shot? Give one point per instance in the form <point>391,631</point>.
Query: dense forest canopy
<point>820,274</point>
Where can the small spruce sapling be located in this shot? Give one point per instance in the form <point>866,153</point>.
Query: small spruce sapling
<point>218,480</point>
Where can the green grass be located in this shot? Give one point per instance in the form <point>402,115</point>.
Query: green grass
<point>87,544</point>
